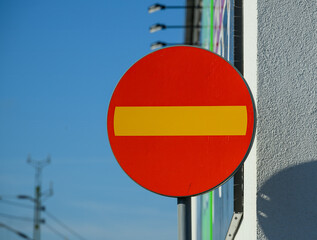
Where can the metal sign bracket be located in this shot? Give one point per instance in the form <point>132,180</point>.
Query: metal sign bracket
<point>234,225</point>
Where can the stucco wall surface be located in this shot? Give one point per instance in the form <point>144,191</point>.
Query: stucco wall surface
<point>287,120</point>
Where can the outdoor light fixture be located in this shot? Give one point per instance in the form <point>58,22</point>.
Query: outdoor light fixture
<point>157,7</point>
<point>157,45</point>
<point>25,197</point>
<point>159,26</point>
<point>160,44</point>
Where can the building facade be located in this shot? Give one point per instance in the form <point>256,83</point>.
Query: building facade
<point>273,44</point>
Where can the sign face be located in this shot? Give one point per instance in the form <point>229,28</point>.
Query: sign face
<point>181,121</point>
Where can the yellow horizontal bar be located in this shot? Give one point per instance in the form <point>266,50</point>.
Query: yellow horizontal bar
<point>180,121</point>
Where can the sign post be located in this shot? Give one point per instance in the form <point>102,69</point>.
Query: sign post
<point>181,122</point>
<point>184,218</point>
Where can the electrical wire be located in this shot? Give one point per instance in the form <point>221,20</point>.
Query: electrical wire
<point>7,196</point>
<point>16,217</point>
<point>64,226</point>
<point>55,231</point>
<point>16,204</point>
<point>21,234</point>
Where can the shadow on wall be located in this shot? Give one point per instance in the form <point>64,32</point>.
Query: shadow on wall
<point>287,204</point>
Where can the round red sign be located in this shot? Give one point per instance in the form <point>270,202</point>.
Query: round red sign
<point>181,121</point>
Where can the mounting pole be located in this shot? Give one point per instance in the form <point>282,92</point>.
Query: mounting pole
<point>38,165</point>
<point>184,218</point>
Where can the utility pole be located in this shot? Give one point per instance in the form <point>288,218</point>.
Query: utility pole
<point>38,165</point>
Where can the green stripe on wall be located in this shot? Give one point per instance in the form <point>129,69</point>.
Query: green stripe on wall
<point>211,47</point>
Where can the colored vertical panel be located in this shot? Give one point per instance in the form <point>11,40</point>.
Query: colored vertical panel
<point>211,214</point>
<point>206,223</point>
<point>218,37</point>
<point>223,201</point>
<point>211,48</point>
<point>211,24</point>
<point>207,42</point>
<point>206,31</point>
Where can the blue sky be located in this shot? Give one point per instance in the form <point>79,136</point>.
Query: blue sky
<point>59,64</point>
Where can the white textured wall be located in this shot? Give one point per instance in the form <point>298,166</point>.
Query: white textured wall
<point>287,119</point>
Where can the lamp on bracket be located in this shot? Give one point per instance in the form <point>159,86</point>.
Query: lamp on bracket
<point>158,26</point>
<point>158,7</point>
<point>160,44</point>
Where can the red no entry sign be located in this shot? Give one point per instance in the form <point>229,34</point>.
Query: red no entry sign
<point>181,121</point>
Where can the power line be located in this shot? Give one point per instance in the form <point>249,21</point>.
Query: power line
<point>23,235</point>
<point>64,226</point>
<point>16,217</point>
<point>55,231</point>
<point>7,196</point>
<point>16,204</point>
